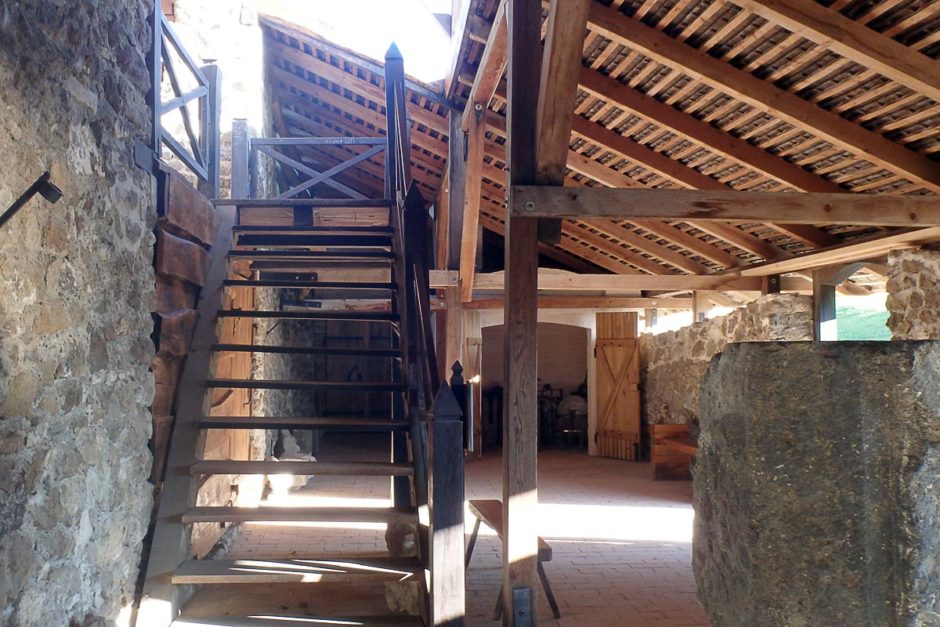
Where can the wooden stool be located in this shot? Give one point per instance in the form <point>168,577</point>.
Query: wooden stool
<point>490,511</point>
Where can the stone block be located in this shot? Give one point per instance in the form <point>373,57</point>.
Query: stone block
<point>816,485</point>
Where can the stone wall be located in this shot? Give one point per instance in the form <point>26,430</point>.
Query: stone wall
<point>673,363</point>
<point>76,286</point>
<point>914,294</point>
<point>815,485</point>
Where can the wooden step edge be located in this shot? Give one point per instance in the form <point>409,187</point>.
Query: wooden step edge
<point>294,570</point>
<point>323,285</point>
<point>257,229</point>
<point>300,350</point>
<point>280,618</point>
<point>300,468</point>
<point>361,425</point>
<point>289,255</point>
<point>220,514</point>
<point>272,384</point>
<point>352,316</point>
<point>303,202</point>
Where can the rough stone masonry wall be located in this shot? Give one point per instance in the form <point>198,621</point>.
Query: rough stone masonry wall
<point>815,485</point>
<point>914,294</point>
<point>673,363</point>
<point>76,285</point>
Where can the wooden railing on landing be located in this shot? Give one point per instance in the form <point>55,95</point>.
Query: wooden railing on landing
<point>199,151</point>
<point>437,431</point>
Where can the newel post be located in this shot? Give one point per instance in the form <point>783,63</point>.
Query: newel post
<point>241,176</point>
<point>448,603</point>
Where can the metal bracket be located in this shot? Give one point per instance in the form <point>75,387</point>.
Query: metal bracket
<point>522,607</point>
<point>145,158</point>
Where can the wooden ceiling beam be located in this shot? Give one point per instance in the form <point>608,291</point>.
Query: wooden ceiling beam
<point>491,68</point>
<point>494,282</point>
<point>730,206</point>
<point>589,302</point>
<point>852,40</point>
<point>558,87</point>
<point>854,251</point>
<point>763,95</point>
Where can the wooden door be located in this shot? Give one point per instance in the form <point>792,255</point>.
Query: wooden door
<point>618,386</point>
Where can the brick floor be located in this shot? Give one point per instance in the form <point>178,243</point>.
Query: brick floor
<point>621,542</point>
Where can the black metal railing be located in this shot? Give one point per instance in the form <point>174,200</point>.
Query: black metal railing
<point>199,149</point>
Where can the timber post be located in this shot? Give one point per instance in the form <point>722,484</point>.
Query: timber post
<point>445,430</point>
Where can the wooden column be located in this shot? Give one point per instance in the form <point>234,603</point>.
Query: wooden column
<point>476,138</point>
<point>240,171</point>
<point>453,330</point>
<point>520,409</point>
<point>456,185</point>
<point>700,305</point>
<point>824,307</point>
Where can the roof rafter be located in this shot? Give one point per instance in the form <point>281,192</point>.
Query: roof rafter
<point>761,94</point>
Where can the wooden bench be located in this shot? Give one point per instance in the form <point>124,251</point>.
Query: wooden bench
<point>490,511</point>
<point>672,451</point>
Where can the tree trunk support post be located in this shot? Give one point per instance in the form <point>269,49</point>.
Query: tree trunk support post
<point>520,422</point>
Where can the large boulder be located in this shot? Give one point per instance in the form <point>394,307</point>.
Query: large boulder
<point>816,485</point>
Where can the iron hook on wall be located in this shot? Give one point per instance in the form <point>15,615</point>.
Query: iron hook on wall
<point>42,186</point>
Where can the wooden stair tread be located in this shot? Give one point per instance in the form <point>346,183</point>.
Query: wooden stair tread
<point>324,424</point>
<point>302,240</point>
<point>346,285</point>
<point>294,569</point>
<point>366,316</point>
<point>239,467</point>
<point>276,384</point>
<point>303,350</point>
<point>281,255</point>
<point>297,514</point>
<point>303,202</point>
<point>278,618</point>
<point>303,230</point>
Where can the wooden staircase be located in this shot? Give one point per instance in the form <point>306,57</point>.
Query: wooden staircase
<point>169,568</point>
<point>381,246</point>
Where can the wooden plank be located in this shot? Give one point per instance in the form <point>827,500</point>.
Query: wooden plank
<point>495,282</point>
<point>288,467</point>
<point>733,206</point>
<point>471,216</point>
<point>184,211</point>
<point>520,400</point>
<point>588,302</point>
<point>291,570</point>
<point>853,40</point>
<point>173,294</point>
<point>616,325</point>
<point>763,95</point>
<point>180,258</point>
<point>869,248</point>
<point>175,332</point>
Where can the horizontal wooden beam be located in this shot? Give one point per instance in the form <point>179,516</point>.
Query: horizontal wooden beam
<point>732,206</point>
<point>571,282</point>
<point>589,302</point>
<point>855,251</point>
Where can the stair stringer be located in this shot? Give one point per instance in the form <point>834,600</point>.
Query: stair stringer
<point>161,600</point>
